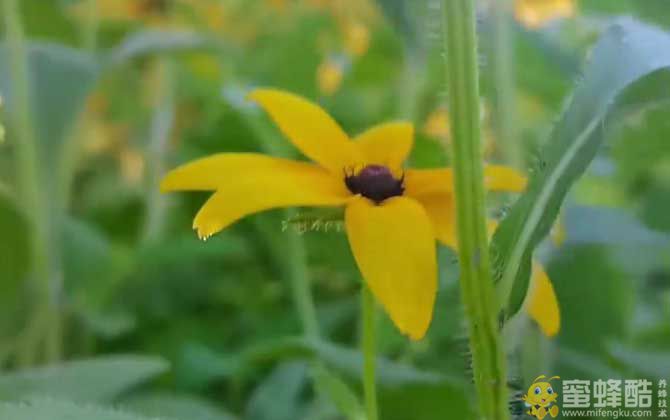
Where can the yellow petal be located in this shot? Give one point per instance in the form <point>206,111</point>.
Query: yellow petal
<point>441,181</point>
<point>310,129</point>
<point>541,304</point>
<point>503,178</point>
<point>394,246</point>
<point>220,170</point>
<point>386,144</point>
<point>442,214</point>
<point>429,181</point>
<point>246,183</point>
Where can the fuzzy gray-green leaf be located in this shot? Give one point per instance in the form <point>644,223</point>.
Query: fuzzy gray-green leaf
<point>626,53</point>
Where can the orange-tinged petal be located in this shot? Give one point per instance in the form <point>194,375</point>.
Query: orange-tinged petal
<point>246,183</point>
<point>394,246</point>
<point>386,144</point>
<point>434,181</point>
<point>541,304</point>
<point>310,128</point>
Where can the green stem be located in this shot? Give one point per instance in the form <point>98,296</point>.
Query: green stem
<point>25,144</point>
<point>300,285</point>
<point>476,284</point>
<point>45,264</point>
<point>296,264</point>
<point>369,352</point>
<point>504,99</point>
<point>91,26</point>
<point>162,123</point>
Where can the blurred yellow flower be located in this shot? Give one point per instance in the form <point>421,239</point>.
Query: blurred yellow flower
<point>535,13</point>
<point>438,124</point>
<point>356,38</point>
<point>392,215</point>
<point>279,5</point>
<point>329,76</point>
<point>132,165</point>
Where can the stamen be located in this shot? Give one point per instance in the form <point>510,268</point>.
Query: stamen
<point>375,182</point>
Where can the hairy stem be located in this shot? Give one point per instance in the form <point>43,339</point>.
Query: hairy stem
<point>91,26</point>
<point>476,284</point>
<point>504,99</point>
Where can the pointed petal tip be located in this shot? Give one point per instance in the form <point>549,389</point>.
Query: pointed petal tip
<point>551,332</point>
<point>417,334</point>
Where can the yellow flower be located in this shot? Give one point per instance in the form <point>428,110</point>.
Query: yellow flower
<point>392,215</point>
<point>329,76</point>
<point>356,38</point>
<point>438,124</point>
<point>535,13</point>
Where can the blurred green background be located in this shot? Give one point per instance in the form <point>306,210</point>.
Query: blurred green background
<point>100,270</point>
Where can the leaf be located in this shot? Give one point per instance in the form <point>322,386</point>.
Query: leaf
<point>627,52</point>
<point>175,406</point>
<point>156,41</point>
<point>603,225</point>
<point>61,410</point>
<point>398,14</point>
<point>339,392</point>
<point>649,363</point>
<point>86,254</point>
<point>278,396</point>
<point>60,79</point>
<point>93,380</point>
<point>426,402</point>
<point>348,362</point>
<point>586,364</point>
<point>588,273</point>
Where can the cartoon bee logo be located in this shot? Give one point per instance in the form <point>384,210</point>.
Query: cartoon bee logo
<point>541,398</point>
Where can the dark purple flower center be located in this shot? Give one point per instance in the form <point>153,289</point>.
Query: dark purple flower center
<point>375,182</point>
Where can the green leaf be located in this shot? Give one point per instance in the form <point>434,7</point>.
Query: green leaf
<point>278,397</point>
<point>175,406</point>
<point>348,362</point>
<point>100,379</point>
<point>627,52</point>
<point>61,410</point>
<point>340,393</point>
<point>86,254</point>
<point>154,41</point>
<point>594,225</point>
<point>60,79</point>
<point>601,283</point>
<point>653,364</point>
<point>398,14</point>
